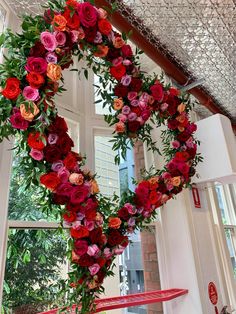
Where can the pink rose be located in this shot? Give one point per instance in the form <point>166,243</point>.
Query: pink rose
<point>52,138</point>
<point>60,38</point>
<point>175,144</point>
<point>30,93</point>
<point>132,116</point>
<point>126,80</point>
<point>166,175</point>
<point>36,154</point>
<point>74,36</point>
<point>94,269</point>
<point>79,194</point>
<point>81,247</point>
<point>18,122</point>
<point>142,105</point>
<point>145,115</point>
<point>48,40</point>
<point>38,65</point>
<point>127,62</point>
<point>132,95</point>
<point>89,224</point>
<point>122,117</point>
<point>164,106</point>
<point>63,174</point>
<point>119,250</point>
<point>57,166</point>
<point>102,14</point>
<point>131,222</point>
<point>93,250</point>
<point>117,61</point>
<point>126,110</point>
<point>51,57</point>
<point>135,103</point>
<point>88,15</point>
<point>98,38</point>
<point>144,97</point>
<point>107,253</point>
<point>81,33</point>
<point>131,209</point>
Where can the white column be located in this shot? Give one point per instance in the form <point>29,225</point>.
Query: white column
<point>5,166</point>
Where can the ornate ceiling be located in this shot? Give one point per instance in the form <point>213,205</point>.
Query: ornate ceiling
<point>198,35</point>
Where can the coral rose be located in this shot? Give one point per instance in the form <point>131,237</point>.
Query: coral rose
<point>76,178</point>
<point>35,79</point>
<point>118,42</point>
<point>54,72</point>
<point>176,181</point>
<point>114,222</point>
<point>59,22</point>
<point>101,52</point>
<point>94,187</point>
<point>29,112</point>
<point>120,127</point>
<point>118,103</point>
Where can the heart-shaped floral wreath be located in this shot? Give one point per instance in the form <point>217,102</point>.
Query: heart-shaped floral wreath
<point>30,77</point>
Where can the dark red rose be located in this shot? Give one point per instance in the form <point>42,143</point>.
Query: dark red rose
<point>184,136</point>
<point>118,71</point>
<point>52,153</point>
<point>59,199</point>
<point>101,261</point>
<point>38,50</point>
<point>79,194</point>
<point>192,152</point>
<point>121,90</point>
<point>133,126</point>
<point>157,92</point>
<point>173,103</point>
<point>192,127</point>
<point>113,53</point>
<point>95,235</point>
<point>86,260</point>
<point>100,275</point>
<point>115,238</point>
<point>58,126</point>
<point>136,84</point>
<point>173,124</point>
<point>90,34</point>
<point>127,51</point>
<point>136,110</point>
<point>91,214</point>
<point>162,188</point>
<point>123,213</point>
<point>12,88</point>
<point>65,143</point>
<point>72,207</point>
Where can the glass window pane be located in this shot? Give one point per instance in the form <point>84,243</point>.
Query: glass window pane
<point>35,271</point>
<point>107,171</point>
<point>231,243</point>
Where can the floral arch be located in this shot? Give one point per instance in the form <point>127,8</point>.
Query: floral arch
<point>31,76</point>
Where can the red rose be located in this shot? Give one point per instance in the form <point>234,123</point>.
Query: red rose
<point>69,216</point>
<point>173,91</point>
<point>95,235</point>
<point>72,207</point>
<point>113,53</point>
<point>115,238</point>
<point>12,88</point>
<point>118,71</point>
<point>35,79</point>
<point>36,141</point>
<point>88,14</point>
<point>101,261</point>
<point>91,214</point>
<point>173,124</point>
<point>127,51</point>
<point>154,197</point>
<point>133,126</point>
<point>65,143</point>
<point>173,103</point>
<point>104,27</point>
<point>50,180</point>
<point>52,153</point>
<point>38,50</point>
<point>136,110</point>
<point>157,92</point>
<point>72,19</point>
<point>58,126</point>
<point>136,84</point>
<point>86,260</point>
<point>123,213</point>
<point>121,90</point>
<point>182,156</point>
<point>79,232</point>
<point>79,194</point>
<point>70,161</point>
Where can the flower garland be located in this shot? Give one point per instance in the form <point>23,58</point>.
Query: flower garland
<point>30,77</point>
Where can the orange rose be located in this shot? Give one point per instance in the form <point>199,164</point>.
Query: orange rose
<point>181,118</point>
<point>176,181</point>
<point>118,42</point>
<point>153,180</point>
<point>101,52</point>
<point>118,103</point>
<point>94,187</point>
<point>181,108</point>
<point>76,178</point>
<point>54,72</point>
<point>114,222</point>
<point>59,23</point>
<point>30,112</point>
<point>120,127</point>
